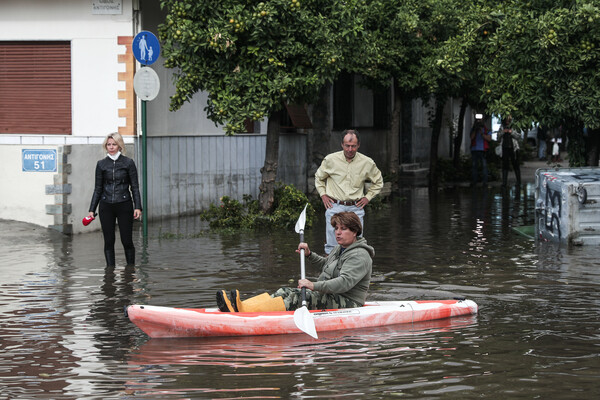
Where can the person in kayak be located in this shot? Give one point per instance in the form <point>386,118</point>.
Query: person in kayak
<point>343,283</point>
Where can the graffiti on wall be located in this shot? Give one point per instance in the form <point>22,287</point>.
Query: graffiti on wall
<point>567,201</point>
<point>553,208</point>
<point>587,178</point>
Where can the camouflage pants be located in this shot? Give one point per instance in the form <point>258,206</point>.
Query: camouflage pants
<point>292,297</point>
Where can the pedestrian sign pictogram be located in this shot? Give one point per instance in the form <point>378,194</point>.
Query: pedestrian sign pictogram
<point>146,47</point>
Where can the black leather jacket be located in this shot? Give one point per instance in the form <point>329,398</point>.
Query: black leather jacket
<point>113,179</point>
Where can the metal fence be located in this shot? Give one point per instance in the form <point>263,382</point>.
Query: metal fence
<point>188,173</point>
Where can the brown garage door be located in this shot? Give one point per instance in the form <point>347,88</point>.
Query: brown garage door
<point>35,88</point>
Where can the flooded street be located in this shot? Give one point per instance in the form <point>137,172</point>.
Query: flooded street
<point>63,333</point>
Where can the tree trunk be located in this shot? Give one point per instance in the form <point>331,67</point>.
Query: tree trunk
<point>406,128</point>
<point>393,136</point>
<point>593,147</point>
<point>435,137</point>
<point>572,131</point>
<point>269,170</point>
<point>459,132</point>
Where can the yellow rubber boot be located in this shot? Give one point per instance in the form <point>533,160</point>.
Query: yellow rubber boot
<point>262,302</point>
<point>244,306</point>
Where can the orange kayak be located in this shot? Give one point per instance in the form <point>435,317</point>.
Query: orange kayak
<point>167,322</point>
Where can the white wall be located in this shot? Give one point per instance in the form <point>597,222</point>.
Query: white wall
<point>94,53</point>
<point>30,203</point>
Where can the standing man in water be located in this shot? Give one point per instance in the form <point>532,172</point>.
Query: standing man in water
<point>340,181</point>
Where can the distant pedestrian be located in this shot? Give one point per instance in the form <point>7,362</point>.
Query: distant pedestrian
<point>542,136</point>
<point>510,151</point>
<point>480,138</point>
<point>117,193</point>
<point>555,150</point>
<point>340,181</point>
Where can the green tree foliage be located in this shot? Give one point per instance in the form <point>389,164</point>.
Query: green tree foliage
<point>542,65</point>
<point>543,61</point>
<point>536,59</point>
<point>400,36</point>
<point>253,56</point>
<point>404,42</point>
<point>433,50</point>
<point>456,62</point>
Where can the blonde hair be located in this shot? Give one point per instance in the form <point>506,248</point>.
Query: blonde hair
<point>117,138</point>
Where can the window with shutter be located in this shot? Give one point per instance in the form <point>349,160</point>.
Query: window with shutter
<point>35,87</point>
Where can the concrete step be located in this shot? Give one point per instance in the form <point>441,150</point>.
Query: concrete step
<point>413,174</point>
<point>417,172</point>
<point>409,166</point>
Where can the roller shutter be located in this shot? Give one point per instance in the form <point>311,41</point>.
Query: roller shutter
<point>35,88</point>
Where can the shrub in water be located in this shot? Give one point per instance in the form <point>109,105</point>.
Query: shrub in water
<point>288,204</point>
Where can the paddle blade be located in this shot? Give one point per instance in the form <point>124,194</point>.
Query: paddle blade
<point>305,322</point>
<point>301,220</point>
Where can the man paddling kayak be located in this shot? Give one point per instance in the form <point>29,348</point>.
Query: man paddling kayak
<point>343,283</point>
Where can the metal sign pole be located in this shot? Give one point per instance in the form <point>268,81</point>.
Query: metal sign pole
<point>146,49</point>
<point>144,173</point>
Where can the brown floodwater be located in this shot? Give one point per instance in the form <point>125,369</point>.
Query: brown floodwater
<point>63,333</point>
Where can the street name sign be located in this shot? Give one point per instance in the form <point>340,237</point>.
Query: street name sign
<point>39,160</point>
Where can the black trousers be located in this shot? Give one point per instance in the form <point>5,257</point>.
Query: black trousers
<point>109,215</point>
<point>510,156</point>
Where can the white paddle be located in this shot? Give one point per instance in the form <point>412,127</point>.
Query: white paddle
<point>302,317</point>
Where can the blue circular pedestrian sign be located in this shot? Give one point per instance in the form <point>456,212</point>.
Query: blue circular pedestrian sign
<point>146,47</point>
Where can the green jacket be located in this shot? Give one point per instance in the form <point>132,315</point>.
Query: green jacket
<point>348,274</point>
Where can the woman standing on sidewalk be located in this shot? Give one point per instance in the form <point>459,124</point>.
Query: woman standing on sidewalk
<point>510,150</point>
<point>116,191</point>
